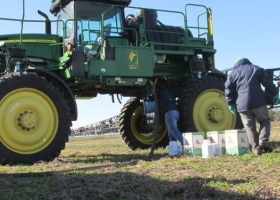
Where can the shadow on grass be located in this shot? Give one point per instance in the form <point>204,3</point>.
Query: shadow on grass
<point>122,185</point>
<point>119,158</point>
<point>115,158</point>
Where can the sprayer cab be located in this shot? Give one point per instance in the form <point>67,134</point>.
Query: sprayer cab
<point>89,21</point>
<point>58,5</point>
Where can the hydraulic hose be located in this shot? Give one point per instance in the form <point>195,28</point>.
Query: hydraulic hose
<point>119,98</point>
<point>149,156</point>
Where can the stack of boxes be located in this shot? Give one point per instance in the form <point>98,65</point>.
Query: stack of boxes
<point>232,142</point>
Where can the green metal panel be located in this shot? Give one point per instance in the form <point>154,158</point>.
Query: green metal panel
<point>135,61</point>
<point>132,62</point>
<point>102,67</point>
<point>121,81</point>
<point>114,41</point>
<point>36,45</point>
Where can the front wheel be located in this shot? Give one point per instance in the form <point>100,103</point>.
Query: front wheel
<point>203,107</point>
<point>35,122</point>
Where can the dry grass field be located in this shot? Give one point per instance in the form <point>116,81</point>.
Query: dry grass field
<point>102,167</point>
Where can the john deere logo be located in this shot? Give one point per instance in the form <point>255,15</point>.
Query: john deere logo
<point>197,142</point>
<point>223,141</point>
<point>211,139</point>
<point>186,142</point>
<point>230,140</point>
<point>133,59</point>
<point>242,140</point>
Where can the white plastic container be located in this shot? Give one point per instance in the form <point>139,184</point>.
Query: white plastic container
<point>17,67</point>
<point>173,148</point>
<point>218,137</point>
<point>149,106</point>
<point>179,146</point>
<point>217,149</point>
<point>207,149</point>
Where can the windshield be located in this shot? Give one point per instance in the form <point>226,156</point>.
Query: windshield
<point>88,21</point>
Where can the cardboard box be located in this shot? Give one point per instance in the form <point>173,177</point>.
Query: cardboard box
<point>236,142</point>
<point>194,140</point>
<point>219,138</point>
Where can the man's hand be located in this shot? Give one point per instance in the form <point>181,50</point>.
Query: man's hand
<point>278,83</point>
<point>276,99</point>
<point>232,109</point>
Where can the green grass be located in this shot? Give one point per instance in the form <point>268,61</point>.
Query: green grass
<point>113,171</point>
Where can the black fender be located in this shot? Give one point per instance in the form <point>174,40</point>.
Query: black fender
<point>219,74</point>
<point>71,101</point>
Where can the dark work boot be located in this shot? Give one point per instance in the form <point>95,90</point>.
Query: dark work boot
<point>266,147</point>
<point>257,151</point>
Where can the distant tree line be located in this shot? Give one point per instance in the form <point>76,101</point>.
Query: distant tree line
<point>110,125</point>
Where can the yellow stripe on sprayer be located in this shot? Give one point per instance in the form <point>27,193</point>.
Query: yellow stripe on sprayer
<point>31,41</point>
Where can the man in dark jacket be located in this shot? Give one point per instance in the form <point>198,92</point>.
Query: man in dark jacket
<point>244,94</point>
<point>168,107</point>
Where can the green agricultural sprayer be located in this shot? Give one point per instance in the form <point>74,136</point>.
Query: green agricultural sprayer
<point>106,47</point>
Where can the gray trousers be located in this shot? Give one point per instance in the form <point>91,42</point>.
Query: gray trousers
<point>249,118</point>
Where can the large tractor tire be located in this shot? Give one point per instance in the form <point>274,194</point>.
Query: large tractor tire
<point>35,122</point>
<point>203,107</point>
<point>134,130</point>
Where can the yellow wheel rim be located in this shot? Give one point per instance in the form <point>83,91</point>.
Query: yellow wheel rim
<point>29,121</point>
<point>210,112</point>
<point>145,138</point>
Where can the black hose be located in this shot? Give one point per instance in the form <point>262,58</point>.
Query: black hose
<point>119,98</point>
<point>113,99</point>
<point>149,156</point>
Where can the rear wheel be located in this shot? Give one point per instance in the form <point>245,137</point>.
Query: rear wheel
<point>35,122</point>
<point>134,129</point>
<point>203,107</point>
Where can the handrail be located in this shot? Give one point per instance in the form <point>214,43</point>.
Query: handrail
<point>209,21</point>
<point>23,13</point>
<point>161,10</point>
<point>27,20</point>
<point>22,21</point>
<point>102,21</point>
<point>198,17</point>
<point>90,28</point>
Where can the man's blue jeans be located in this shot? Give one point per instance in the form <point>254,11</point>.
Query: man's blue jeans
<point>249,118</point>
<point>171,119</point>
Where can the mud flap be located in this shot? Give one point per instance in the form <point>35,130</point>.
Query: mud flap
<point>77,66</point>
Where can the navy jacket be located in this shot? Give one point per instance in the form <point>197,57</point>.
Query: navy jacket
<point>243,86</point>
<point>166,99</point>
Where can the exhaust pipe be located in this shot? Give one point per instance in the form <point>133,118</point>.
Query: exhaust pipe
<point>47,23</point>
